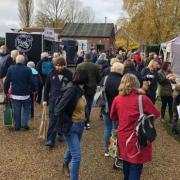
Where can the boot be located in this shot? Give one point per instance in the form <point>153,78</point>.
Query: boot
<point>66,171</point>
<point>175,131</point>
<point>162,119</point>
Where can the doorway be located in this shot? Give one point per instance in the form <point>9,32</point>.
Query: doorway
<point>100,48</point>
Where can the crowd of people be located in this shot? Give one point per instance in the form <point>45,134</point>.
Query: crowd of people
<point>69,97</point>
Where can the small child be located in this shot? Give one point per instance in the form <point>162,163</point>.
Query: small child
<point>176,102</point>
<point>37,84</point>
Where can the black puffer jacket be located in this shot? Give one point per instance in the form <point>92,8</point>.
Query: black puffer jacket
<point>65,106</point>
<point>136,73</point>
<point>111,87</point>
<point>68,100</point>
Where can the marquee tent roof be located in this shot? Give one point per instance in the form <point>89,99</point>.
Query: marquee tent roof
<point>171,50</point>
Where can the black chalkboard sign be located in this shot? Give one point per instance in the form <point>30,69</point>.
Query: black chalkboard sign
<point>30,44</point>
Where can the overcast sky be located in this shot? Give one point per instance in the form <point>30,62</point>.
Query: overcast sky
<point>112,9</point>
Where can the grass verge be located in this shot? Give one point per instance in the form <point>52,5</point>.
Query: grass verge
<point>167,125</point>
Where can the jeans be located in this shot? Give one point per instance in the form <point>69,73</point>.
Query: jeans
<point>51,134</point>
<point>21,117</point>
<point>73,152</point>
<point>132,171</point>
<point>89,101</point>
<point>108,125</point>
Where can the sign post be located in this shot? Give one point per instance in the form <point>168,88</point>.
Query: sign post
<point>49,34</point>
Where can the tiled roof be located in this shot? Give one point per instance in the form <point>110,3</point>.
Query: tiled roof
<point>88,30</point>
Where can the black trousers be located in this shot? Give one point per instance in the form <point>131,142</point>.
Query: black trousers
<point>32,105</point>
<point>166,100</point>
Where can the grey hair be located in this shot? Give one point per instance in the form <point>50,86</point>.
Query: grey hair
<point>55,54</point>
<point>31,64</point>
<point>44,54</point>
<point>87,57</point>
<point>117,67</point>
<point>20,59</point>
<point>102,56</point>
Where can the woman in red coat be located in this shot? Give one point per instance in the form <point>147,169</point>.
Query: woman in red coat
<point>125,109</point>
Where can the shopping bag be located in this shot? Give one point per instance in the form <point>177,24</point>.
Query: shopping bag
<point>178,110</point>
<point>100,98</point>
<point>7,113</point>
<point>44,125</point>
<point>2,98</point>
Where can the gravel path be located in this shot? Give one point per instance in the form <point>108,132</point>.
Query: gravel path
<point>24,157</point>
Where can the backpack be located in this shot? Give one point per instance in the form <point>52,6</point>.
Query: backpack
<point>100,99</point>
<point>144,129</point>
<point>46,67</point>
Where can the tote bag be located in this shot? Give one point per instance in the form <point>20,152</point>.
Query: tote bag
<point>7,113</point>
<point>44,125</point>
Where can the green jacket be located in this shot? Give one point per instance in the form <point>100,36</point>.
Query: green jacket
<point>165,88</point>
<point>93,76</point>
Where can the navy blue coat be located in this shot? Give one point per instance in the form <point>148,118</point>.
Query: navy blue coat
<point>20,77</point>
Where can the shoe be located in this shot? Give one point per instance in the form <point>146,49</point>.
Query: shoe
<point>162,120</point>
<point>175,131</point>
<point>61,138</point>
<point>106,154</point>
<point>49,143</point>
<point>87,126</point>
<point>101,117</point>
<point>66,171</point>
<point>17,129</point>
<point>26,128</point>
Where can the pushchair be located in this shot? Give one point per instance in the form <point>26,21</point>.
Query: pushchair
<point>114,151</point>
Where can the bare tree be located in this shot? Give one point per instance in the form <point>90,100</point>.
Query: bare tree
<point>42,20</point>
<point>88,15</point>
<point>73,12</point>
<point>25,8</point>
<point>52,11</point>
<point>77,13</point>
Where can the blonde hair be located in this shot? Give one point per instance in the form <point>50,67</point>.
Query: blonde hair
<point>152,63</point>
<point>117,67</point>
<point>14,54</point>
<point>113,60</point>
<point>176,91</point>
<point>128,83</point>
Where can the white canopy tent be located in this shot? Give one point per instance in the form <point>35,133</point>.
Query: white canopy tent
<point>171,50</point>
